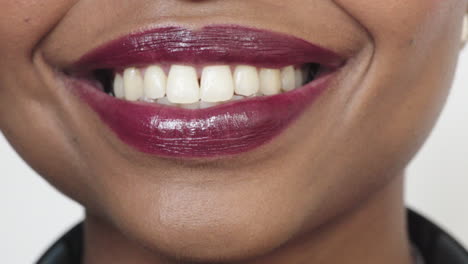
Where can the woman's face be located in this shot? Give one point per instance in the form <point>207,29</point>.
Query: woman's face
<point>355,137</point>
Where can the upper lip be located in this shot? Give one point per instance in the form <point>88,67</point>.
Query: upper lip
<point>227,44</point>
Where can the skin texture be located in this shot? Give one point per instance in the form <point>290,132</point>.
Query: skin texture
<point>328,190</point>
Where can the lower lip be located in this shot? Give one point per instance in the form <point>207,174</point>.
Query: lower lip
<point>232,128</point>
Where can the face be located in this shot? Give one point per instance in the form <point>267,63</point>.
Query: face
<point>396,64</point>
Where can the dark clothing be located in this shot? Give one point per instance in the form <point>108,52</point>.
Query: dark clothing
<point>435,245</point>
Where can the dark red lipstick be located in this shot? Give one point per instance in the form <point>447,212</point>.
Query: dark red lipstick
<point>227,129</point>
<point>211,44</point>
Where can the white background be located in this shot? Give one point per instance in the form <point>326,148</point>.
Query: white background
<point>33,214</point>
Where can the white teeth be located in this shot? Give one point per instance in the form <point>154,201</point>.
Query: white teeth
<point>133,84</point>
<point>119,91</point>
<point>193,106</point>
<point>288,79</point>
<point>298,78</point>
<point>154,82</point>
<point>246,80</point>
<point>204,105</point>
<point>270,81</point>
<point>165,101</point>
<point>237,97</point>
<point>217,84</point>
<point>182,85</point>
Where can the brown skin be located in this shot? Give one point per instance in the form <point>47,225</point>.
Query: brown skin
<point>328,190</point>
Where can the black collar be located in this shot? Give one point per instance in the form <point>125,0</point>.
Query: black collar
<point>435,245</point>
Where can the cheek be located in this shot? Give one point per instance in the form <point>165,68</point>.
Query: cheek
<point>414,51</point>
<point>23,23</point>
<point>412,40</point>
<point>401,20</point>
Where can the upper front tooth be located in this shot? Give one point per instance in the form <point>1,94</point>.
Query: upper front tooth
<point>182,85</point>
<point>119,86</point>
<point>270,81</point>
<point>154,82</point>
<point>246,80</point>
<point>288,79</point>
<point>299,77</point>
<point>217,84</point>
<point>133,84</point>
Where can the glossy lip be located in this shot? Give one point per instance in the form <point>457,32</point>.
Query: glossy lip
<point>227,129</point>
<point>226,44</point>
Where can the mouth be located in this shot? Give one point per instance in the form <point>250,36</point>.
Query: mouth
<point>221,90</point>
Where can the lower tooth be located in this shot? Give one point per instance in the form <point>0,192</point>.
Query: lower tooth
<point>237,97</point>
<point>204,105</point>
<point>165,101</point>
<point>191,106</point>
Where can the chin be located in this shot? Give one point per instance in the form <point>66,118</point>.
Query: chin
<point>207,223</point>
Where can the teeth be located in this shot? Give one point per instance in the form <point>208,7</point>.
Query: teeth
<point>182,85</point>
<point>165,101</point>
<point>298,78</point>
<point>133,84</point>
<point>270,81</point>
<point>204,105</point>
<point>154,82</point>
<point>119,91</point>
<point>246,79</point>
<point>217,84</point>
<point>191,106</point>
<point>237,97</point>
<point>288,78</point>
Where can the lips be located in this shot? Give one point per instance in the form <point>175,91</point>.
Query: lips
<point>231,128</point>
